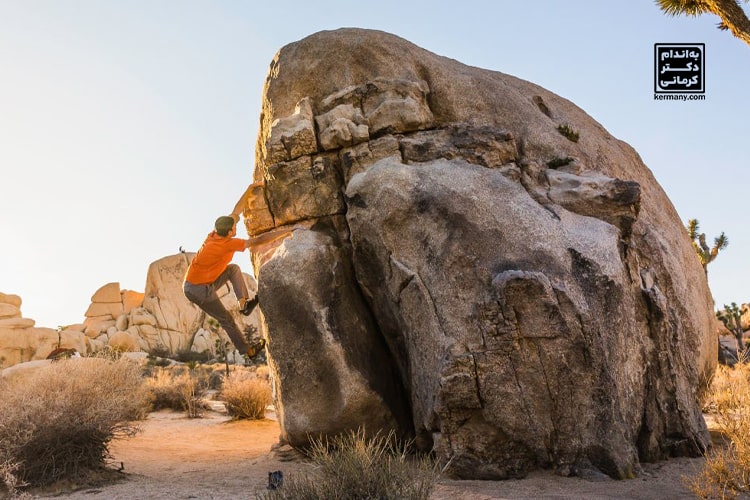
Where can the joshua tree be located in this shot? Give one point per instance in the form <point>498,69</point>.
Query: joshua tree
<point>733,17</point>
<point>705,254</point>
<point>222,346</point>
<point>732,319</point>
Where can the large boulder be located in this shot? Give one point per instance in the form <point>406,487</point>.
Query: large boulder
<point>329,341</point>
<point>484,266</point>
<point>109,307</point>
<point>173,318</point>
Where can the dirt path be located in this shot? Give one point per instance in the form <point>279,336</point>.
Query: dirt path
<point>215,458</point>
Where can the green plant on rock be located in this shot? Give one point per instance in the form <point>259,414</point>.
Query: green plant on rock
<point>731,316</point>
<point>705,254</point>
<point>568,132</point>
<point>558,162</point>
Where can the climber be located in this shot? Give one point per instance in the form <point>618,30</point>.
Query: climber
<point>210,269</point>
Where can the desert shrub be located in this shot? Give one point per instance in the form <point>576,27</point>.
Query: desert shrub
<point>178,389</point>
<point>163,390</point>
<point>216,379</point>
<point>58,421</point>
<point>186,356</point>
<point>245,395</point>
<point>567,132</point>
<point>558,162</point>
<point>726,473</point>
<point>193,391</point>
<point>353,466</point>
<point>159,351</point>
<point>158,361</point>
<point>9,479</point>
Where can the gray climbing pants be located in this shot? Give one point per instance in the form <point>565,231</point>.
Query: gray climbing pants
<point>205,297</point>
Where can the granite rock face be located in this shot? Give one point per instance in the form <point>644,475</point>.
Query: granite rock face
<point>482,266</point>
<point>21,341</point>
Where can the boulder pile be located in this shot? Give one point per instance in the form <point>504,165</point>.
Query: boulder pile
<point>21,340</point>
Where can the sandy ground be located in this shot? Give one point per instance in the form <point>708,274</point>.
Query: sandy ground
<point>216,458</point>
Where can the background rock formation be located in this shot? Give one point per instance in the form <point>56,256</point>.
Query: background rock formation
<point>21,341</point>
<point>161,320</point>
<point>482,265</point>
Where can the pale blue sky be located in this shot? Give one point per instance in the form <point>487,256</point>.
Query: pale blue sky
<point>127,127</point>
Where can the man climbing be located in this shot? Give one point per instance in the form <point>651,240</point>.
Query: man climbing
<point>211,269</point>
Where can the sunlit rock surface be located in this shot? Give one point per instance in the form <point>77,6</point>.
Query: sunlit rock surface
<point>485,267</point>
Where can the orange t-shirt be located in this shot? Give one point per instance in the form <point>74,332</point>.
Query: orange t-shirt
<point>212,258</point>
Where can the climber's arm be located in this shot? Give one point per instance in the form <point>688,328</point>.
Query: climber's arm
<point>256,241</point>
<point>240,206</point>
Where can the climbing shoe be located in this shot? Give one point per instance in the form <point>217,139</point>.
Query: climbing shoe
<point>249,306</point>
<point>255,347</point>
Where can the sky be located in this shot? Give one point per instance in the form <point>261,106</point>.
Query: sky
<point>127,127</point>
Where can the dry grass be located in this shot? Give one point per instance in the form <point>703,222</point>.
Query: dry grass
<point>726,473</point>
<point>178,389</point>
<point>246,395</point>
<point>352,466</point>
<point>57,422</point>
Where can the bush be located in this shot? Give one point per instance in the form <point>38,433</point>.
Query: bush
<point>58,421</point>
<point>558,162</point>
<point>352,466</point>
<point>568,132</point>
<point>186,356</point>
<point>163,391</point>
<point>246,396</point>
<point>726,472</point>
<point>216,379</point>
<point>159,351</point>
<point>177,389</point>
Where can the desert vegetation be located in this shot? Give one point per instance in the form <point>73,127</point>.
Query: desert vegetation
<point>568,132</point>
<point>58,421</point>
<point>245,391</point>
<point>726,473</point>
<point>705,253</point>
<point>731,317</point>
<point>355,466</point>
<point>178,388</point>
<point>246,394</point>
